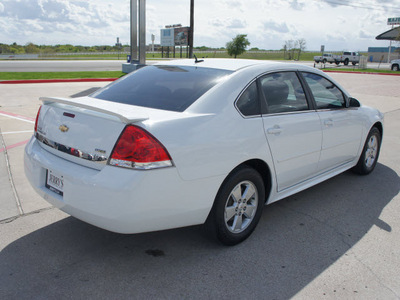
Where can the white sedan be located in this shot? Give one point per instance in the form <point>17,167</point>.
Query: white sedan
<point>190,142</point>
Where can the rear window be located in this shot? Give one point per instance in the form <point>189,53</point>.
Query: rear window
<point>172,88</point>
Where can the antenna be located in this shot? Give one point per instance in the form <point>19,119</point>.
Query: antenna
<point>196,61</point>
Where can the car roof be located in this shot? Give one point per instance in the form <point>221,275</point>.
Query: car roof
<point>219,63</point>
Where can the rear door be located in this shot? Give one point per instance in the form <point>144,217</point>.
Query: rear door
<point>292,128</point>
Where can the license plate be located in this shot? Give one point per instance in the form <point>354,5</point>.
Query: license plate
<point>55,182</point>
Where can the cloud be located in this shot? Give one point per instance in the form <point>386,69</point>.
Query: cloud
<point>216,23</point>
<point>296,5</point>
<point>365,35</point>
<point>237,24</point>
<point>268,23</point>
<point>332,3</point>
<point>275,26</point>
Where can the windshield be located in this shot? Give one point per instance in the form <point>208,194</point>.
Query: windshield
<point>162,87</point>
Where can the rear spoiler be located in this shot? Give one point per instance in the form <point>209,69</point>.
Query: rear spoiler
<point>126,113</point>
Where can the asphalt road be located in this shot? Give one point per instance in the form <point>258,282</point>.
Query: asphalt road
<point>337,240</point>
<point>107,65</point>
<point>60,65</point>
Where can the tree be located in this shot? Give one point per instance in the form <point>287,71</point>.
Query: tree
<point>31,48</point>
<point>292,46</point>
<point>238,45</point>
<point>302,46</point>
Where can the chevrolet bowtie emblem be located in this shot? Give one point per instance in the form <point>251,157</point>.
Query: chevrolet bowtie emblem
<point>63,128</point>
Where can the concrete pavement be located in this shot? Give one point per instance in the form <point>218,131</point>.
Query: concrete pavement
<point>337,240</point>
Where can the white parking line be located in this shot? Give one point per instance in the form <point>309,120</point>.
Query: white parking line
<point>23,131</point>
<point>18,117</point>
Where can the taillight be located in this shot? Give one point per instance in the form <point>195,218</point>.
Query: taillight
<point>138,149</point>
<point>37,117</point>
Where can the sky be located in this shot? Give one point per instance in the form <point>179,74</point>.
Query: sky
<point>337,24</point>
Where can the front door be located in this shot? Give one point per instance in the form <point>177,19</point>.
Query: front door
<point>293,130</point>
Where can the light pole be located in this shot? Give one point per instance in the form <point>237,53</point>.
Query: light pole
<point>191,29</point>
<point>138,17</point>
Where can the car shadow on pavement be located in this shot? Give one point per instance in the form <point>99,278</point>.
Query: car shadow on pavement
<point>296,240</point>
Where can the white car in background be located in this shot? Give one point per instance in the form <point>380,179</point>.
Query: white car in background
<point>395,65</point>
<point>190,142</point>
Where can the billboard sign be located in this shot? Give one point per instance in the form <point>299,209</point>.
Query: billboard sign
<point>393,21</point>
<point>174,36</point>
<point>181,36</point>
<point>167,37</point>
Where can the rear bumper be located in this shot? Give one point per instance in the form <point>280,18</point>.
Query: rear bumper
<point>122,200</point>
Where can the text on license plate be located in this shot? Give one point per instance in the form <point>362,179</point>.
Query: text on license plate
<point>55,182</point>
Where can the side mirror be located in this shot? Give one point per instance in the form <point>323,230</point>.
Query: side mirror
<point>353,102</point>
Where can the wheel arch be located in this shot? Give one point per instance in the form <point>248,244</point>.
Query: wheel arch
<point>263,169</point>
<point>379,126</point>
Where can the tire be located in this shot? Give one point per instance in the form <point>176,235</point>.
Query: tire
<point>354,63</point>
<point>337,63</point>
<point>346,62</point>
<point>370,153</point>
<point>235,213</point>
<point>395,68</point>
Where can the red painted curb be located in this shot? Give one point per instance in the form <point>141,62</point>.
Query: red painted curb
<point>56,80</point>
<point>13,146</point>
<point>368,73</point>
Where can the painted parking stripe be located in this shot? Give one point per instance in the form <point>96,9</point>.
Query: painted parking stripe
<point>18,117</point>
<point>13,146</point>
<point>14,132</point>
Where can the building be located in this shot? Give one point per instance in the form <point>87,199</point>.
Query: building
<point>380,54</point>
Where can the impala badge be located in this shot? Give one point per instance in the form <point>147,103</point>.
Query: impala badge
<point>63,128</point>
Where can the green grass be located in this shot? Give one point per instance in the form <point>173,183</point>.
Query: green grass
<point>117,74</point>
<point>58,75</point>
<point>356,70</point>
<point>272,55</point>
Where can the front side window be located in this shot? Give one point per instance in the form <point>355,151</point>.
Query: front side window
<point>172,88</point>
<point>283,92</point>
<point>326,94</point>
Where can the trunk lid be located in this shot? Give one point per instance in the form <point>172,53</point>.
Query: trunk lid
<point>84,130</point>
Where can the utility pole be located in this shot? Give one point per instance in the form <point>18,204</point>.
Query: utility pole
<point>134,30</point>
<point>138,32</point>
<point>191,29</point>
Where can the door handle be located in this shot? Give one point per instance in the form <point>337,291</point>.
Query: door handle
<point>274,130</point>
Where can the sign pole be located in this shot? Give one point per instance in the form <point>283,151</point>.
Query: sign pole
<point>134,13</point>
<point>142,32</point>
<point>191,29</point>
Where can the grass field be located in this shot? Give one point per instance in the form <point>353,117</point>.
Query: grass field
<point>273,55</point>
<point>361,70</point>
<point>305,56</point>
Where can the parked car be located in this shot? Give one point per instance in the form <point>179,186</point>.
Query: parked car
<point>395,65</point>
<point>327,57</point>
<point>347,57</point>
<point>198,142</point>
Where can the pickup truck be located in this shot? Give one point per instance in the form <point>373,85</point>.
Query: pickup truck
<point>347,57</point>
<point>327,57</point>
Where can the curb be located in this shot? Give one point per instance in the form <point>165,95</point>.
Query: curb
<point>56,80</point>
<point>367,73</point>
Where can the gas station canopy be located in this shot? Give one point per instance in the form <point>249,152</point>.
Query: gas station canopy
<point>390,35</point>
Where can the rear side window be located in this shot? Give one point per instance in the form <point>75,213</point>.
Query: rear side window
<point>326,94</point>
<point>248,103</point>
<point>172,88</point>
